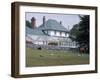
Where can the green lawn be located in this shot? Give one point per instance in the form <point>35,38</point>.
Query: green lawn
<point>52,58</point>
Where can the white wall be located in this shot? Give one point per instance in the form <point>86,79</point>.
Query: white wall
<point>52,33</point>
<point>63,34</point>
<point>58,33</point>
<point>5,41</point>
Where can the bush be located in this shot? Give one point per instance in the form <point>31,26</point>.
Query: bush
<point>39,48</point>
<point>53,43</point>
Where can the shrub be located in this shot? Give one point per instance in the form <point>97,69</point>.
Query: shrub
<point>53,43</point>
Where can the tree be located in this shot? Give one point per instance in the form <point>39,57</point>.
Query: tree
<point>28,24</point>
<point>74,32</point>
<point>80,32</point>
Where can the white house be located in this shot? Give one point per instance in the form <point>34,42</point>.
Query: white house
<point>49,31</point>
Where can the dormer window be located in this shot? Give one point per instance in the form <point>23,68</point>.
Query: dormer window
<point>46,32</point>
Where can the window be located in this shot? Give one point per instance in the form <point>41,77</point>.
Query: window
<point>60,33</point>
<point>55,32</point>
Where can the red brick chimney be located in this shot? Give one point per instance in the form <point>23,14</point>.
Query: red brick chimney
<point>33,22</point>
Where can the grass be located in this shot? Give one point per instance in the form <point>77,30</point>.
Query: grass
<point>53,58</point>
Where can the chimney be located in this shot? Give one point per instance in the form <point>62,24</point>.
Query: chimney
<point>44,20</point>
<point>33,22</point>
<point>61,22</point>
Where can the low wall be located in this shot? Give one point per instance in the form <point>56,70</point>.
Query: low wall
<point>49,47</point>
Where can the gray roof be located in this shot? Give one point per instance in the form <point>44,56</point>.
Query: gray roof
<point>34,31</point>
<point>53,25</point>
<point>49,25</point>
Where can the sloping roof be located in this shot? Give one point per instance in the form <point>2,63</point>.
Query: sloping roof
<point>49,25</point>
<point>34,31</point>
<point>53,25</point>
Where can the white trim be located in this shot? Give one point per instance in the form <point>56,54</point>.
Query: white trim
<point>49,69</point>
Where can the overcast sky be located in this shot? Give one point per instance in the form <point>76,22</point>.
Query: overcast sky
<point>67,19</point>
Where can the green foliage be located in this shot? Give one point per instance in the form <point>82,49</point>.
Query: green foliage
<point>53,43</point>
<point>80,32</point>
<point>74,32</point>
<point>28,24</point>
